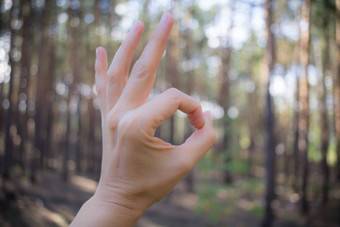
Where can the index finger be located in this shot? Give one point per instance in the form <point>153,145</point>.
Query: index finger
<point>153,52</point>
<point>165,105</point>
<point>143,73</point>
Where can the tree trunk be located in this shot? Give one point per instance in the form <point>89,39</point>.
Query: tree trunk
<point>171,69</point>
<point>66,152</point>
<point>337,90</point>
<point>75,35</point>
<point>252,116</point>
<point>44,160</point>
<point>295,153</point>
<point>324,116</point>
<point>1,84</point>
<point>97,13</point>
<point>8,157</point>
<point>91,152</point>
<point>190,84</point>
<point>40,117</point>
<point>283,126</point>
<point>270,156</point>
<point>304,102</point>
<point>26,56</point>
<point>79,147</point>
<point>224,96</point>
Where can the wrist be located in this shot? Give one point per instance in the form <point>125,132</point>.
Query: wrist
<point>121,199</point>
<point>98,212</point>
<point>118,211</point>
<point>118,205</point>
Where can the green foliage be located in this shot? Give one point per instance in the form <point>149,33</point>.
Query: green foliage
<point>314,153</point>
<point>221,201</point>
<point>237,166</point>
<point>209,203</point>
<point>257,210</point>
<point>254,185</point>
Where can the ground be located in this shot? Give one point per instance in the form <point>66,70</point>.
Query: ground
<point>53,202</point>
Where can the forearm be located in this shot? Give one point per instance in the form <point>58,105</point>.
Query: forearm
<point>100,213</point>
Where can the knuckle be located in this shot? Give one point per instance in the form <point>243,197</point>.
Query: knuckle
<point>125,46</point>
<point>141,69</point>
<point>113,74</point>
<point>173,91</point>
<point>159,40</point>
<point>112,119</point>
<point>112,79</point>
<point>173,94</point>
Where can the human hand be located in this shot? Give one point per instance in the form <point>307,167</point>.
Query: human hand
<point>139,169</point>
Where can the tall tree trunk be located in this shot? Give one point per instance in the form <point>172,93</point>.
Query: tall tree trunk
<point>252,116</point>
<point>296,155</point>
<point>97,13</point>
<point>8,157</point>
<point>224,97</point>
<point>90,131</point>
<point>44,160</point>
<point>91,154</point>
<point>304,102</point>
<point>284,140</point>
<point>91,151</point>
<point>1,84</point>
<point>337,90</point>
<point>27,14</point>
<point>66,150</point>
<point>324,115</point>
<point>79,147</point>
<point>270,156</point>
<point>171,68</point>
<point>74,67</point>
<point>190,84</point>
<point>41,96</point>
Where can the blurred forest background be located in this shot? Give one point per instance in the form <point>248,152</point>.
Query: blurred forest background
<point>268,70</point>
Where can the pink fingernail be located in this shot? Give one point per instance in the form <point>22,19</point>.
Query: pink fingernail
<point>135,27</point>
<point>164,18</point>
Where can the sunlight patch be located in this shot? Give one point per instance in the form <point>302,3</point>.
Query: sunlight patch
<point>84,184</point>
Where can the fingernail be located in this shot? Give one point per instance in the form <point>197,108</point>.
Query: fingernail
<point>164,18</point>
<point>135,27</point>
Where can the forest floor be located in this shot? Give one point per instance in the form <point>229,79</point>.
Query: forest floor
<point>53,202</point>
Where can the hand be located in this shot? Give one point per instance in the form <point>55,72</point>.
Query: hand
<point>139,169</point>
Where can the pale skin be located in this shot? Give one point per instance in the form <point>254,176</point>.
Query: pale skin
<point>139,169</point>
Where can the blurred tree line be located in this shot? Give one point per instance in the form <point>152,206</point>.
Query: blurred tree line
<point>268,70</point>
